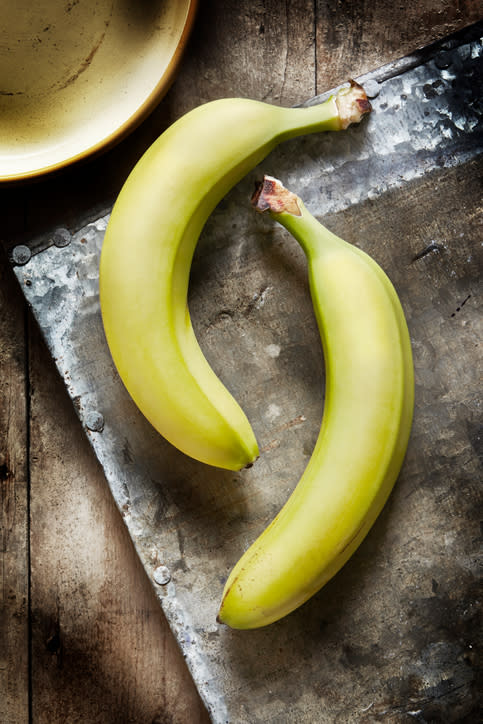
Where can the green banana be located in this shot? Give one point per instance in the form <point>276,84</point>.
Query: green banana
<point>147,254</point>
<point>364,433</point>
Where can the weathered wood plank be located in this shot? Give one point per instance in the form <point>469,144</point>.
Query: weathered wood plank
<point>262,50</point>
<point>356,36</point>
<point>14,629</point>
<point>102,650</point>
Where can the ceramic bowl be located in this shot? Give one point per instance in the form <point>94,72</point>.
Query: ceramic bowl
<point>77,75</point>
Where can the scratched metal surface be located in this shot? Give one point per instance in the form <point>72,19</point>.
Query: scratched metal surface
<point>392,637</point>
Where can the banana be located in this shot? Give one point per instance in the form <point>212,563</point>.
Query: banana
<point>147,253</point>
<point>364,432</point>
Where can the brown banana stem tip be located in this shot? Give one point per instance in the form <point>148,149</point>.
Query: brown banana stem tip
<point>271,195</point>
<point>352,104</point>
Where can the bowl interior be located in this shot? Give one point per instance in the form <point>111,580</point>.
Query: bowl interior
<point>77,75</point>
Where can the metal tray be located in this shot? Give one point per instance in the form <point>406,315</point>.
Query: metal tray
<point>392,636</point>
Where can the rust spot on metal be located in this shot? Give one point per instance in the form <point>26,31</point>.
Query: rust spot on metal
<point>299,420</point>
<point>270,446</point>
<point>292,423</point>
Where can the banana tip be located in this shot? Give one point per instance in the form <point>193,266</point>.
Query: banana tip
<point>219,619</point>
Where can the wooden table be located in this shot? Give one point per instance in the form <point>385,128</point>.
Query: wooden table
<point>82,637</point>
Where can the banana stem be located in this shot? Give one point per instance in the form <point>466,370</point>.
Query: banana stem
<point>352,103</point>
<point>289,210</point>
<point>345,107</point>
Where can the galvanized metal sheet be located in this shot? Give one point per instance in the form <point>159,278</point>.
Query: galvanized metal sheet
<point>372,643</point>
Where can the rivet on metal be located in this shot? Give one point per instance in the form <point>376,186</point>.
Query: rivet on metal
<point>162,575</point>
<point>21,254</point>
<point>94,421</point>
<point>443,60</point>
<point>61,237</point>
<point>372,88</point>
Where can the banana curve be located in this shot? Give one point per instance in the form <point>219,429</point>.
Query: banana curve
<point>146,260</point>
<point>361,444</point>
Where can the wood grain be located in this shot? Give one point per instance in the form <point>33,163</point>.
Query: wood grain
<point>356,36</point>
<point>97,627</point>
<point>14,553</point>
<point>91,644</point>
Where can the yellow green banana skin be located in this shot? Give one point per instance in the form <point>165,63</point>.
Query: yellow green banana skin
<point>363,437</point>
<point>147,254</point>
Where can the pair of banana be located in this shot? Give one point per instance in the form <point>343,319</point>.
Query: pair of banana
<point>144,275</point>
